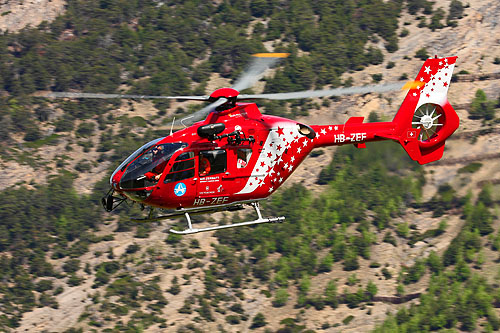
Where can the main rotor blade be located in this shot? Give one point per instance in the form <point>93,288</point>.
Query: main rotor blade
<point>378,88</point>
<point>260,63</point>
<point>200,114</point>
<point>107,96</point>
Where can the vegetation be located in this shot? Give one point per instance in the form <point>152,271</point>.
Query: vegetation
<point>172,48</point>
<point>456,297</point>
<point>32,222</point>
<point>482,107</point>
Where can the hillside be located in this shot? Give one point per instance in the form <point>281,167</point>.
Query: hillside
<point>364,244</point>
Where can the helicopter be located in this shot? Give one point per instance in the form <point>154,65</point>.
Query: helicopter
<point>238,156</point>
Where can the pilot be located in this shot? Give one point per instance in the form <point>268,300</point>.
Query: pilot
<point>204,167</point>
<point>157,153</point>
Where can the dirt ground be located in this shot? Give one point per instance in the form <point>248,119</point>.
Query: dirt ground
<point>475,42</point>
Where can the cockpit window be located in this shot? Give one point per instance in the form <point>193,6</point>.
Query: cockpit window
<point>146,169</point>
<point>134,155</point>
<point>183,168</point>
<point>212,162</point>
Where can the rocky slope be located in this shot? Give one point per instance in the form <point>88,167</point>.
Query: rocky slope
<point>17,14</point>
<point>475,41</point>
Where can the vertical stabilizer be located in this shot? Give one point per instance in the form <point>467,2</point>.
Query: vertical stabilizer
<point>426,119</point>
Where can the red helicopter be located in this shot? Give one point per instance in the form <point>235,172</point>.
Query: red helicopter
<point>238,156</point>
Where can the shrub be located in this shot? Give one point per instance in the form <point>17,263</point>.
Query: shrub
<point>280,298</point>
<point>258,321</point>
<point>470,168</point>
<point>85,130</point>
<point>422,54</point>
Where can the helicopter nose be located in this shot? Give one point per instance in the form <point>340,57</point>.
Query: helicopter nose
<point>114,181</point>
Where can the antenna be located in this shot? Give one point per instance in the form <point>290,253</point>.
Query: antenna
<point>172,126</point>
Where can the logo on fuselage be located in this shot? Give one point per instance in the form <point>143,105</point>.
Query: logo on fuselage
<point>180,189</point>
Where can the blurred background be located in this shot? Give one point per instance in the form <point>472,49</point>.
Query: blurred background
<point>372,240</point>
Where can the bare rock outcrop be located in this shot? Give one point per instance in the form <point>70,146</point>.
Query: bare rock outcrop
<point>17,14</point>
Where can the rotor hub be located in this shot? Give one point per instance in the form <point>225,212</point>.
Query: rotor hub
<point>427,121</point>
<point>428,117</point>
<point>228,93</point>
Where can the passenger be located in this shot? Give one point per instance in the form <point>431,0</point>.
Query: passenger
<point>242,159</point>
<point>204,167</point>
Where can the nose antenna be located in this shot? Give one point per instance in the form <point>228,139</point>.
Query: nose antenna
<point>172,126</point>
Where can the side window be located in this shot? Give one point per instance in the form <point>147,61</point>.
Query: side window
<point>212,162</point>
<point>183,168</point>
<point>243,157</point>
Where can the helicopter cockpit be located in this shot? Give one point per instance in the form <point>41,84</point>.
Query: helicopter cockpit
<point>143,168</point>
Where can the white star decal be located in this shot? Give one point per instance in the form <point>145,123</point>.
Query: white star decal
<point>299,150</point>
<point>290,167</point>
<point>285,166</point>
<point>281,179</point>
<point>422,79</point>
<point>270,189</point>
<point>292,159</point>
<point>329,128</point>
<point>305,143</point>
<point>427,69</point>
<point>336,128</point>
<point>323,131</point>
<point>415,94</point>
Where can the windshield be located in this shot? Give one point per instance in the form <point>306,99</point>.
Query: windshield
<point>147,168</point>
<point>133,156</point>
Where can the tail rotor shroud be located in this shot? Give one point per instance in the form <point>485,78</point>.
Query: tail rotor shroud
<point>429,119</point>
<point>426,119</point>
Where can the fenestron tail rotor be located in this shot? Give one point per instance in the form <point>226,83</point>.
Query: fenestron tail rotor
<point>429,118</point>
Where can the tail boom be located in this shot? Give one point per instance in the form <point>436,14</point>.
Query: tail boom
<point>422,124</point>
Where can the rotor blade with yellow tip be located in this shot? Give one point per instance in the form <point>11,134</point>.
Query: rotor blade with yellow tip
<point>260,63</point>
<point>412,85</point>
<point>271,55</point>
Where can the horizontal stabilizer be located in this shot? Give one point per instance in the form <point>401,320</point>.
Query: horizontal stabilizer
<point>355,120</point>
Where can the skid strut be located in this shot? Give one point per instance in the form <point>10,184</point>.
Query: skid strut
<point>260,220</point>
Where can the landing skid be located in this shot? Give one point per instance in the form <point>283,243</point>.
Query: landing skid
<point>260,220</point>
<point>191,230</point>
